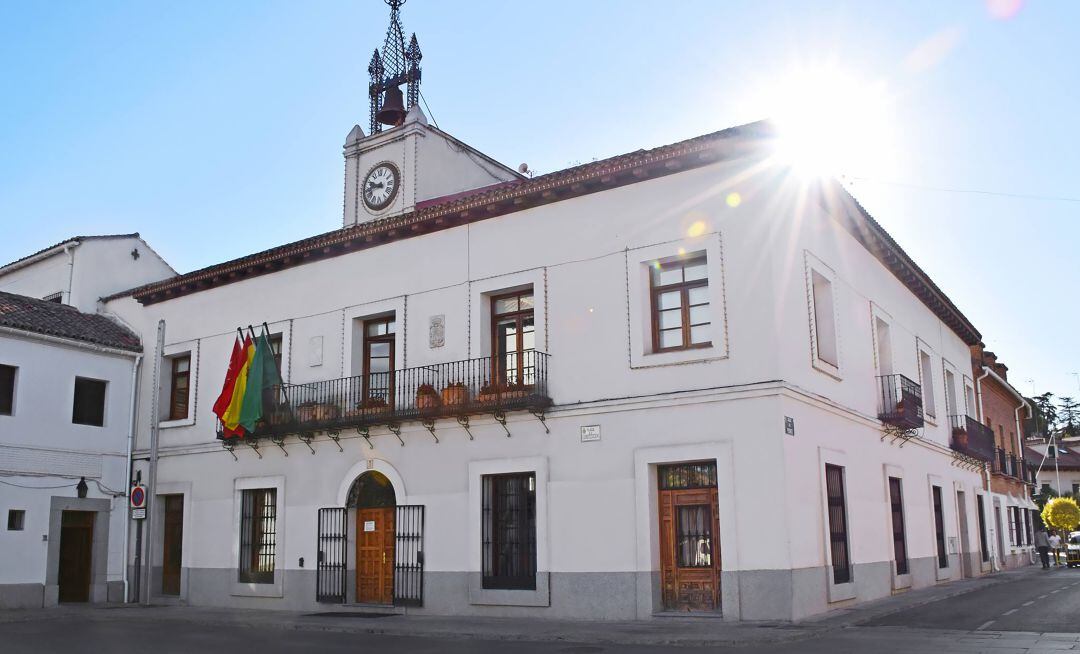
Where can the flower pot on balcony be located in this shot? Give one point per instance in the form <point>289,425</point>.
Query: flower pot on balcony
<point>324,412</point>
<point>305,412</point>
<point>427,398</point>
<point>499,393</point>
<point>455,395</point>
<point>374,406</point>
<point>960,437</point>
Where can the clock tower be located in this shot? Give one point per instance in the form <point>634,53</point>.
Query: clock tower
<point>403,162</point>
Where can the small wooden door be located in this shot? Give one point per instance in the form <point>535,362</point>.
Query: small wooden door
<point>690,543</point>
<point>172,543</point>
<point>76,555</point>
<point>375,555</point>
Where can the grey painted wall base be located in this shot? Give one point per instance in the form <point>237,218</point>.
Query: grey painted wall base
<point>22,596</point>
<point>785,595</point>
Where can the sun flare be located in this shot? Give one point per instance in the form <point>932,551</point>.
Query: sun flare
<point>832,123</point>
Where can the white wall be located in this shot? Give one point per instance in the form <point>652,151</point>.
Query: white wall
<point>41,448</point>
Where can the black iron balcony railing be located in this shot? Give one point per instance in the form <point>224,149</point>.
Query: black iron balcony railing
<point>1008,464</point>
<point>515,381</point>
<point>900,402</point>
<point>971,437</point>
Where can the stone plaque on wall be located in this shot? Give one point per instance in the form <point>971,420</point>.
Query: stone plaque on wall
<point>437,331</point>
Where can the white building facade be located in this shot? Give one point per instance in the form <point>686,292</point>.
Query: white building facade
<point>678,379</point>
<point>67,382</point>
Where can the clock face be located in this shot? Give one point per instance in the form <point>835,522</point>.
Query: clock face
<point>380,186</point>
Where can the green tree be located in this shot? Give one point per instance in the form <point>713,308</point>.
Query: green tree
<point>1068,413</point>
<point>1044,414</point>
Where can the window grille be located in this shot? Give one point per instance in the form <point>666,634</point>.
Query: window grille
<point>330,562</point>
<point>409,556</point>
<point>258,535</point>
<point>687,475</point>
<point>939,528</point>
<point>896,498</point>
<point>509,531</point>
<point>838,534</point>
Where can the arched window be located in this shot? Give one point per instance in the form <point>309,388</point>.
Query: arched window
<point>371,490</point>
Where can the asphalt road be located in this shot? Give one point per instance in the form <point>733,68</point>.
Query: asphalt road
<point>1046,602</point>
<point>1035,613</point>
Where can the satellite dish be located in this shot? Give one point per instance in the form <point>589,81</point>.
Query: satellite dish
<point>523,169</point>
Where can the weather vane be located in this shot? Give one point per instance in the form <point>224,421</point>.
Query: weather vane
<point>397,64</point>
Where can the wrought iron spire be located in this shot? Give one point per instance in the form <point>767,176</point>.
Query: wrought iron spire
<point>394,66</point>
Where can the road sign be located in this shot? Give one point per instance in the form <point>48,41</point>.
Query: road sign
<point>138,497</point>
<point>138,514</point>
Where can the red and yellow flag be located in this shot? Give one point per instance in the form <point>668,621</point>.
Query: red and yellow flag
<point>231,417</point>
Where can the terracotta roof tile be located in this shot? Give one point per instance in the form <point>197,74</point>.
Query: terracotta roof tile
<point>40,317</point>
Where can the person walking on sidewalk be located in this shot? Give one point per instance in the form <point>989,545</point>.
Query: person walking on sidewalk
<point>1055,545</point>
<point>1042,543</point>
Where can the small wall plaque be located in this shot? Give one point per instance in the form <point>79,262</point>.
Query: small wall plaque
<point>315,351</point>
<point>437,331</point>
<point>789,425</point>
<point>590,433</point>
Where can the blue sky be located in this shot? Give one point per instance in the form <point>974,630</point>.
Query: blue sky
<point>215,128</point>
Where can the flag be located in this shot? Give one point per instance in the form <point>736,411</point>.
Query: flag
<point>236,361</point>
<point>232,413</point>
<point>262,374</point>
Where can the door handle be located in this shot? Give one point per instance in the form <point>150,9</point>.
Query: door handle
<point>384,558</point>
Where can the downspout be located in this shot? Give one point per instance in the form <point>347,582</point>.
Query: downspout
<point>992,541</point>
<point>151,494</point>
<point>986,470</point>
<point>70,251</point>
<point>978,392</point>
<point>130,450</point>
<point>1019,437</point>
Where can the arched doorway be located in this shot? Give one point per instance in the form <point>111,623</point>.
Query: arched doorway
<point>374,501</point>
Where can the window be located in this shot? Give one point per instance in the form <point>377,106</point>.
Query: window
<point>983,551</point>
<point>509,531</point>
<point>1051,452</point>
<point>1012,526</point>
<point>939,529</point>
<point>927,384</point>
<point>513,338</point>
<point>824,319</point>
<point>950,393</point>
<point>884,347</point>
<point>7,389</point>
<point>693,534</point>
<point>179,386</point>
<point>378,362</point>
<point>88,407</point>
<point>258,535</point>
<point>838,532</point>
<point>1030,522</point>
<point>16,518</point>
<point>1045,489</point>
<point>896,499</point>
<point>680,304</point>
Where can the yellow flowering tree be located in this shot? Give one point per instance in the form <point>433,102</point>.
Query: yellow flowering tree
<point>1061,514</point>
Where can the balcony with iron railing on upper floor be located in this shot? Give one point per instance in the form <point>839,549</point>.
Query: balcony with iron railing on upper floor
<point>517,381</point>
<point>1008,464</point>
<point>900,402</point>
<point>972,438</point>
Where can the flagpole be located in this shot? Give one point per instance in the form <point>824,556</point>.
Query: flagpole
<point>281,378</point>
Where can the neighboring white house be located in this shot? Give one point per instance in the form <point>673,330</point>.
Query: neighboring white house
<point>81,270</point>
<point>66,398</point>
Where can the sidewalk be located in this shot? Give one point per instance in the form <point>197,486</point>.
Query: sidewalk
<point>663,630</point>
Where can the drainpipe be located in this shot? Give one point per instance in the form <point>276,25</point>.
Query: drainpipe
<point>978,392</point>
<point>130,450</point>
<point>151,487</point>
<point>992,540</point>
<point>1019,436</point>
<point>69,250</point>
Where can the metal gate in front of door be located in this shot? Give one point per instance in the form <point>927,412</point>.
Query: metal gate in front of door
<point>331,570</point>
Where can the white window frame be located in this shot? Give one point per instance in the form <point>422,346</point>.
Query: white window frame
<point>639,302</point>
<point>815,265</point>
<point>922,348</point>
<point>480,294</point>
<point>845,591</point>
<point>14,391</point>
<point>247,589</point>
<point>169,352</point>
<point>355,318</point>
<point>952,406</point>
<point>876,314</point>
<point>541,596</point>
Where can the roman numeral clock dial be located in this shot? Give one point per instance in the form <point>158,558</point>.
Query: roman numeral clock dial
<point>380,186</point>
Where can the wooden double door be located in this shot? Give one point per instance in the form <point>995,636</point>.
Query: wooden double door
<point>76,555</point>
<point>689,549</point>
<point>375,538</point>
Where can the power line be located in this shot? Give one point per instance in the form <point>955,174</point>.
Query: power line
<point>1021,196</point>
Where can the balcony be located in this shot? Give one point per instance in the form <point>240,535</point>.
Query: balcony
<point>1010,465</point>
<point>974,439</point>
<point>900,402</point>
<point>457,389</point>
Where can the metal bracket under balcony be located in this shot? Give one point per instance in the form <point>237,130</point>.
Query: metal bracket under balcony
<point>971,438</point>
<point>900,402</point>
<point>456,389</point>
